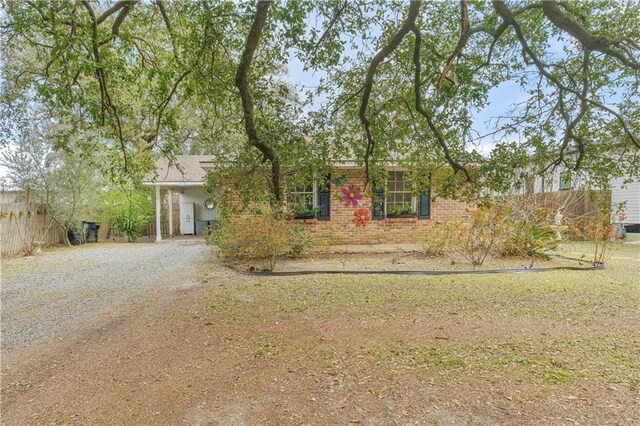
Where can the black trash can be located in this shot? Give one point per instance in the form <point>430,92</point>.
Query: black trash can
<point>75,237</point>
<point>201,226</point>
<point>91,231</point>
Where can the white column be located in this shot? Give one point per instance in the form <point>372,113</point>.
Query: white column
<point>170,213</point>
<point>158,208</point>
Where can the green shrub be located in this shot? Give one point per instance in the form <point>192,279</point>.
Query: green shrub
<point>262,236</point>
<point>525,239</point>
<point>299,240</point>
<point>128,223</point>
<point>128,208</point>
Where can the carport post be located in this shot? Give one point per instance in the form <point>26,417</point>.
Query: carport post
<point>158,223</point>
<point>170,213</point>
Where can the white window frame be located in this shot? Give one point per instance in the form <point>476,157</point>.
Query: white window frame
<point>414,199</point>
<point>314,186</point>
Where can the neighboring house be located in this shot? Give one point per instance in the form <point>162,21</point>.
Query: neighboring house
<point>563,179</point>
<point>629,194</point>
<point>328,211</point>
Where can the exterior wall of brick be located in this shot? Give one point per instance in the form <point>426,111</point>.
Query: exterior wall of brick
<point>341,229</point>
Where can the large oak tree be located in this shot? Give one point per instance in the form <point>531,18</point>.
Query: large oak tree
<point>400,81</point>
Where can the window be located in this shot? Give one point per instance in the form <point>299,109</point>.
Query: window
<point>301,201</point>
<point>399,199</point>
<point>565,181</point>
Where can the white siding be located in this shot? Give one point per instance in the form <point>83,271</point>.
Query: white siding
<point>629,193</point>
<point>198,197</point>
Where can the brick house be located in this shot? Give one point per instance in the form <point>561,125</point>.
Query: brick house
<point>396,214</point>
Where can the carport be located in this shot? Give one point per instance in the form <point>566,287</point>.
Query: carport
<point>185,176</point>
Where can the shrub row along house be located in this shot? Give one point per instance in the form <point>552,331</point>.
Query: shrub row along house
<point>335,209</point>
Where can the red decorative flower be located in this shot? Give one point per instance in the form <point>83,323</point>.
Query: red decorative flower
<point>361,217</point>
<point>351,195</point>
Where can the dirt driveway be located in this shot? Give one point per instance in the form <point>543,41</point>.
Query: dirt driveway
<point>229,349</point>
<point>71,290</point>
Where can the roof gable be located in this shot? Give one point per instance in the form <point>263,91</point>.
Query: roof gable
<point>187,168</point>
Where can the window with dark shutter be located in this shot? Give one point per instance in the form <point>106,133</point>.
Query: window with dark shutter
<point>324,198</point>
<point>378,203</point>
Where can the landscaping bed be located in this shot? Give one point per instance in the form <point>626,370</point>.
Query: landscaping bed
<point>415,260</point>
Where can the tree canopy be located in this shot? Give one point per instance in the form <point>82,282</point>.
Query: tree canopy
<point>397,81</point>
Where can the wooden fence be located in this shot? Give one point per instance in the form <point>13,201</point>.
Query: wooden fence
<point>573,204</point>
<point>23,223</point>
<point>150,229</point>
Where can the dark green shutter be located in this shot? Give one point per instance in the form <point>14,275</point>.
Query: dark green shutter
<point>424,206</point>
<point>378,204</point>
<point>324,199</point>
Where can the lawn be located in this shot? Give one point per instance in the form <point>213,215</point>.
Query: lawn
<point>553,348</point>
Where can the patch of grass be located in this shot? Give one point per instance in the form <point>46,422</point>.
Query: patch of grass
<point>576,324</point>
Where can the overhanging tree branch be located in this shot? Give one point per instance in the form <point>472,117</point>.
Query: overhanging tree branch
<point>408,23</point>
<point>457,167</point>
<point>115,28</point>
<point>242,83</point>
<point>562,20</point>
<point>106,101</point>
<point>462,42</point>
<point>507,16</point>
<point>113,9</point>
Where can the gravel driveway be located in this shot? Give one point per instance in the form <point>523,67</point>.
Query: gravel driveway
<point>46,296</point>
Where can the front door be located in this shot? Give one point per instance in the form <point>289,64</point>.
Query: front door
<point>187,221</point>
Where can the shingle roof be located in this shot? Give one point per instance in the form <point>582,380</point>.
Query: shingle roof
<point>187,168</point>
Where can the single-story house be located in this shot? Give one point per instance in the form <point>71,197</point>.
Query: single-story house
<point>336,211</point>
